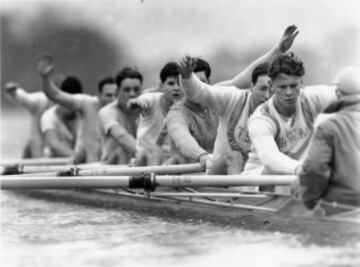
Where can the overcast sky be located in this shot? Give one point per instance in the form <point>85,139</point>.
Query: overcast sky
<point>154,30</point>
<point>196,25</point>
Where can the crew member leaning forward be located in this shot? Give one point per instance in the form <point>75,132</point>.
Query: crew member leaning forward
<point>280,129</point>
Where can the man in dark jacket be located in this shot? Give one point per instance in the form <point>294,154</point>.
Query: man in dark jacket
<point>331,170</point>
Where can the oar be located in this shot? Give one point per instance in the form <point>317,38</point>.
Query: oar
<point>31,169</point>
<point>37,161</point>
<point>123,171</point>
<point>147,181</point>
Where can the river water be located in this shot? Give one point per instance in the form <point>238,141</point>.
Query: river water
<point>36,232</point>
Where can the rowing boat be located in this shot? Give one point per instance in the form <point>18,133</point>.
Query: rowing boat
<point>189,197</point>
<point>261,211</point>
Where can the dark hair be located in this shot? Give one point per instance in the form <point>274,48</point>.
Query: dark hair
<point>169,70</point>
<point>261,69</point>
<point>104,81</point>
<point>202,65</point>
<point>128,72</point>
<point>288,64</point>
<point>71,85</point>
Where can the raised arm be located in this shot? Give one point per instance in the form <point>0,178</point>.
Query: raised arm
<point>197,91</point>
<point>142,103</point>
<point>243,79</point>
<point>45,68</point>
<point>262,138</point>
<point>179,133</point>
<point>33,102</point>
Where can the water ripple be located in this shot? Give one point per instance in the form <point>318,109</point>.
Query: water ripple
<point>40,233</point>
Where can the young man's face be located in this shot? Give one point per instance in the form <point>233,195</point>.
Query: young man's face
<point>107,94</point>
<point>171,89</point>
<point>261,90</point>
<point>129,88</point>
<point>202,76</point>
<point>286,89</point>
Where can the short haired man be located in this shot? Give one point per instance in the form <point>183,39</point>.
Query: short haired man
<point>233,106</point>
<point>59,125</point>
<point>331,169</point>
<point>36,103</point>
<point>191,126</point>
<point>154,108</point>
<point>88,146</point>
<point>280,129</point>
<point>118,122</point>
<point>106,89</point>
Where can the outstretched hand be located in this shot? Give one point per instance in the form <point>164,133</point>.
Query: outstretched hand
<point>11,87</point>
<point>288,38</point>
<point>133,105</point>
<point>45,65</point>
<point>186,66</point>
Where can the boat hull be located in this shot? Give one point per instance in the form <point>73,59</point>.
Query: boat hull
<point>288,216</point>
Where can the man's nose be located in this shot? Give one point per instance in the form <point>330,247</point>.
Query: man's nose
<point>132,93</point>
<point>267,94</point>
<point>288,91</point>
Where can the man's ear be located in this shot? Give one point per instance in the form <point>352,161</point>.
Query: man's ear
<point>271,89</point>
<point>161,87</point>
<point>270,84</point>
<point>117,91</point>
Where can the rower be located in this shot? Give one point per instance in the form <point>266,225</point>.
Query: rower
<point>118,122</point>
<point>233,106</point>
<point>88,147</point>
<point>191,126</point>
<point>36,103</point>
<point>154,107</point>
<point>331,169</point>
<point>280,129</point>
<point>59,125</point>
<point>106,90</point>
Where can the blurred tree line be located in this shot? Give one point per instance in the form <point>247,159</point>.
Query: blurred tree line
<point>86,51</point>
<point>78,50</point>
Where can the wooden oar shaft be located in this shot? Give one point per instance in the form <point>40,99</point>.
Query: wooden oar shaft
<point>26,182</point>
<point>224,180</point>
<point>52,170</point>
<point>149,182</point>
<point>210,194</point>
<point>163,169</point>
<point>37,161</point>
<point>98,170</point>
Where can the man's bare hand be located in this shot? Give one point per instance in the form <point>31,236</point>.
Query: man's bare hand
<point>186,66</point>
<point>11,87</point>
<point>206,162</point>
<point>45,65</point>
<point>288,38</point>
<point>134,106</point>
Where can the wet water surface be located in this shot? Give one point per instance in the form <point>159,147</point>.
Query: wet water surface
<point>37,232</point>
